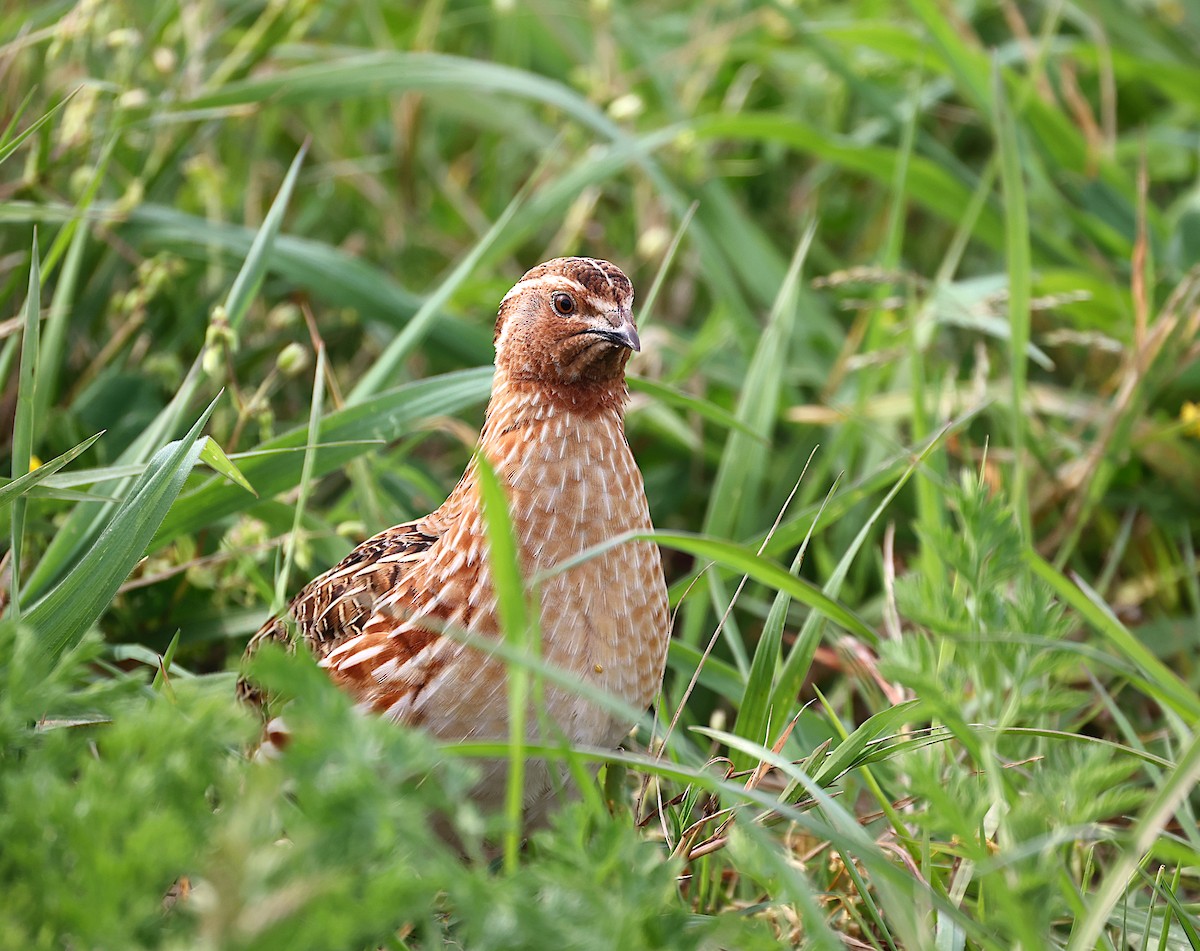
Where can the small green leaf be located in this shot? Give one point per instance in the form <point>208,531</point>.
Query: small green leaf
<point>162,677</point>
<point>214,456</point>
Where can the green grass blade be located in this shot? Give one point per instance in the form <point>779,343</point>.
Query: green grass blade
<point>718,676</point>
<point>765,572</point>
<point>800,657</point>
<point>85,523</point>
<point>249,279</point>
<point>1158,681</point>
<point>6,135</point>
<point>967,63</point>
<point>646,310</point>
<point>849,753</point>
<point>328,273</point>
<point>11,490</point>
<point>1187,919</point>
<point>64,615</point>
<point>1016,234</point>
<point>385,367</point>
<point>794,529</point>
<point>519,627</point>
<point>66,480</point>
<point>754,707</point>
<point>928,184</point>
<point>9,145</point>
<point>706,409</point>
<point>740,559</point>
<point>742,461</point>
<point>1086,740</point>
<point>306,482</point>
<point>67,495</point>
<point>344,435</point>
<point>22,436</point>
<point>66,235</point>
<point>375,73</point>
<point>848,836</point>
<point>356,75</point>
<point>54,339</point>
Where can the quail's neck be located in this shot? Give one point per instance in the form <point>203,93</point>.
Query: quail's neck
<point>519,402</point>
<point>561,453</point>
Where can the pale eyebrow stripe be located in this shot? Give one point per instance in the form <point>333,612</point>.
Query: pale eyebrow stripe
<point>542,281</point>
<point>600,304</point>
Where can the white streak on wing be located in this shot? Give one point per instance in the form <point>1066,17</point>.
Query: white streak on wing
<point>395,711</point>
<point>410,671</point>
<point>350,645</point>
<point>396,557</point>
<point>432,688</point>
<point>456,563</point>
<point>387,671</point>
<point>363,655</point>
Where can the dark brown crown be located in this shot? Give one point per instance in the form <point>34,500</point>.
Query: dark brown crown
<point>597,276</point>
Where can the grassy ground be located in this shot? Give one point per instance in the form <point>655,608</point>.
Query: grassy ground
<point>932,263</point>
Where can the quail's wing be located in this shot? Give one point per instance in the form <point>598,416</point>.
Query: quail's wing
<point>335,607</point>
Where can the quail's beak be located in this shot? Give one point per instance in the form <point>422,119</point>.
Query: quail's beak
<point>625,335</point>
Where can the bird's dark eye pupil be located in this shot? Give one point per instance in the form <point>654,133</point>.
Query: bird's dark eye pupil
<point>564,303</point>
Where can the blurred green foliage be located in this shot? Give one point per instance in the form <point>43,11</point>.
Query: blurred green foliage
<point>937,261</point>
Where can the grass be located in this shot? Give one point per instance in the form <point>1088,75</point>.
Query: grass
<point>916,412</point>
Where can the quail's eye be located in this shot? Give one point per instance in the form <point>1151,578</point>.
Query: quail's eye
<point>563,303</point>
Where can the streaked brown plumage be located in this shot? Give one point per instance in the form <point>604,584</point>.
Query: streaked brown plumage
<point>554,433</point>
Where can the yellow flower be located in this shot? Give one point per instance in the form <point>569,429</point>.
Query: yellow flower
<point>1189,415</point>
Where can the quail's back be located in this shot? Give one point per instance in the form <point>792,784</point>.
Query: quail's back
<point>554,434</point>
